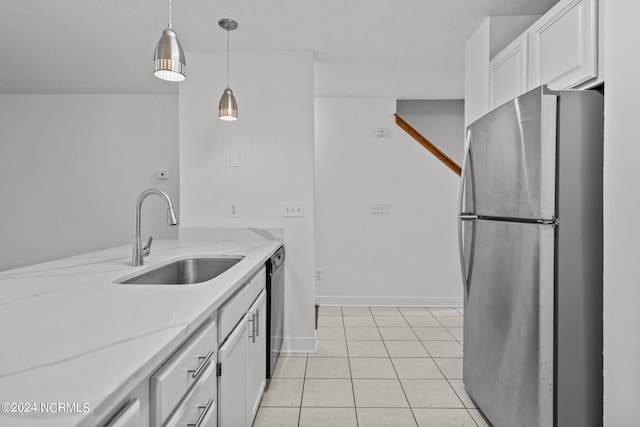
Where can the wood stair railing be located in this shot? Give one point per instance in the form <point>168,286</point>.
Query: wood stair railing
<point>450,163</point>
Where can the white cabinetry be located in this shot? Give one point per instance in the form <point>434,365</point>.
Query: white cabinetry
<point>242,356</point>
<point>508,73</point>
<point>563,45</point>
<point>232,380</point>
<point>172,386</point>
<point>257,356</point>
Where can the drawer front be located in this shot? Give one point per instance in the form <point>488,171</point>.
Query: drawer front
<point>231,313</point>
<point>171,382</point>
<point>199,407</point>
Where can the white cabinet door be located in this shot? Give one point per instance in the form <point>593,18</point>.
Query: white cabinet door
<point>257,356</point>
<point>232,381</point>
<point>508,73</point>
<point>563,45</point>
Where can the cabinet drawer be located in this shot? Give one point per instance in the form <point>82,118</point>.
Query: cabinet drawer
<point>231,313</point>
<point>199,407</point>
<point>170,383</point>
<point>258,283</point>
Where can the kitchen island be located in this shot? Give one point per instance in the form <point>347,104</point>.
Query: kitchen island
<point>75,344</point>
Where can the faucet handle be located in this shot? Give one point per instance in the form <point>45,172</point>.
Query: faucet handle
<point>146,249</point>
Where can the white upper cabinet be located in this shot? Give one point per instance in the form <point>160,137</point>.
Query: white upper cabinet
<point>563,45</point>
<point>508,73</point>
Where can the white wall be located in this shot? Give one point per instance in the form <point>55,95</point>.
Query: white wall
<point>273,142</point>
<point>406,257</point>
<point>621,202</point>
<point>72,166</point>
<point>441,121</point>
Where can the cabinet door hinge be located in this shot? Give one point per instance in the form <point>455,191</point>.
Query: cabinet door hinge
<point>218,369</point>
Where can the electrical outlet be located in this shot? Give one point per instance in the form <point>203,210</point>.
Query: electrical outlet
<point>318,274</point>
<point>380,208</point>
<point>234,210</point>
<point>293,209</point>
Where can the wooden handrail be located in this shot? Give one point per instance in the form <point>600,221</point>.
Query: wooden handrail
<point>450,163</point>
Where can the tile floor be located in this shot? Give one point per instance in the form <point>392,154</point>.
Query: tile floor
<point>375,366</point>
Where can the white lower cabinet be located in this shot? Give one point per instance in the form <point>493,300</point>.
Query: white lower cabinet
<point>199,406</point>
<point>242,358</point>
<point>128,416</point>
<point>232,380</point>
<point>256,357</point>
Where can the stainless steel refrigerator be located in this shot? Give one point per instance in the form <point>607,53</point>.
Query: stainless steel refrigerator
<point>530,238</point>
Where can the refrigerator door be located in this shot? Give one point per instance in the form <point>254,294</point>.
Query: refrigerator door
<point>508,323</point>
<point>511,159</point>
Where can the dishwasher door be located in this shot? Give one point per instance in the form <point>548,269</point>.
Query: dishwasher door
<point>275,308</point>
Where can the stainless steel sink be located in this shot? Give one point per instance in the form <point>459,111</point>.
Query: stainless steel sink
<point>184,272</point>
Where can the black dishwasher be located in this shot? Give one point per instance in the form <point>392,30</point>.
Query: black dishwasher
<point>275,308</point>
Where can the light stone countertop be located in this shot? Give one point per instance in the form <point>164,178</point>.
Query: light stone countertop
<point>70,335</point>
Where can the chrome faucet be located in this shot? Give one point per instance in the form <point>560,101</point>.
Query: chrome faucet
<point>140,252</point>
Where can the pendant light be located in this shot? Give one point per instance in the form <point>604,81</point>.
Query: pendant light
<point>228,109</point>
<point>168,62</point>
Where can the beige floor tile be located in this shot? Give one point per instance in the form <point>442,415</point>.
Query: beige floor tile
<point>385,417</point>
<point>433,334</point>
<point>360,333</point>
<point>336,393</point>
<point>330,321</point>
<point>330,349</point>
<point>478,418</point>
<point>443,348</point>
<point>406,349</point>
<point>328,310</point>
<point>444,311</point>
<point>283,392</point>
<point>385,311</point>
<point>330,333</point>
<point>359,321</point>
<point>423,321</point>
<point>355,311</point>
<point>379,394</point>
<point>414,311</point>
<point>456,332</point>
<point>390,320</point>
<point>276,417</point>
<point>323,417</point>
<point>431,394</point>
<point>397,333</point>
<point>437,417</point>
<point>367,349</point>
<point>451,367</point>
<point>458,387</point>
<point>416,368</point>
<point>370,367</point>
<point>328,367</point>
<point>293,354</point>
<point>451,322</point>
<point>290,367</point>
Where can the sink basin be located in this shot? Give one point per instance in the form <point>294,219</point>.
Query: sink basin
<point>184,272</point>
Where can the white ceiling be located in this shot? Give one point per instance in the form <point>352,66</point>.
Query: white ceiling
<point>409,49</point>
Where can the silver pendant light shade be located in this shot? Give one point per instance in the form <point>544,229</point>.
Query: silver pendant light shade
<point>169,62</point>
<point>228,108</point>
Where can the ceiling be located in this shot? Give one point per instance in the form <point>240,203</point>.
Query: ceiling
<point>409,49</point>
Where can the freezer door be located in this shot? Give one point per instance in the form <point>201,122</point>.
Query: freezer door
<point>511,159</point>
<point>508,323</point>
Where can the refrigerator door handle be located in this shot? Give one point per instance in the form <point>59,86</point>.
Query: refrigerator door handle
<point>463,217</point>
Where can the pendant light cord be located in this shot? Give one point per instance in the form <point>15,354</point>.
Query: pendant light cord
<point>227,59</point>
<point>169,13</point>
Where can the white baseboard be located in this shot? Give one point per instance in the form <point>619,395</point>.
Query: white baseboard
<point>389,300</point>
<point>299,345</point>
